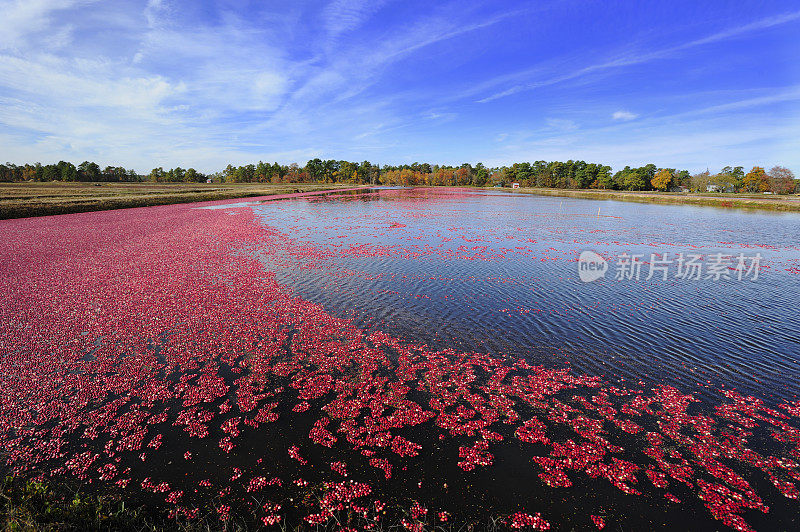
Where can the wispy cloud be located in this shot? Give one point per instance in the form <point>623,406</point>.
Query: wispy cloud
<point>623,115</point>
<point>22,21</point>
<point>637,57</point>
<point>155,12</point>
<point>775,96</point>
<point>342,16</point>
<point>561,124</point>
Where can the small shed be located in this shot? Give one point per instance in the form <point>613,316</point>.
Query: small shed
<point>514,185</point>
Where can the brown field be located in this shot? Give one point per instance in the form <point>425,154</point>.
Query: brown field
<point>21,200</point>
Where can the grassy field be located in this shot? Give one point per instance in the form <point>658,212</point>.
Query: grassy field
<point>741,201</point>
<point>21,200</point>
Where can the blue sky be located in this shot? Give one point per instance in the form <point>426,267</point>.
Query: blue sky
<point>683,84</point>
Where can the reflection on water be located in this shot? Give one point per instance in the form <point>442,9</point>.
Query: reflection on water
<point>495,272</point>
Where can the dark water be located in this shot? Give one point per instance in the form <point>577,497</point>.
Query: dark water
<point>494,272</point>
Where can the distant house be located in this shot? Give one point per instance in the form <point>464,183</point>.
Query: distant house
<point>209,180</point>
<point>719,188</point>
<point>678,189</point>
<point>514,185</point>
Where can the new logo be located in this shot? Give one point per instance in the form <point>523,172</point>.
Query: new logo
<point>591,266</point>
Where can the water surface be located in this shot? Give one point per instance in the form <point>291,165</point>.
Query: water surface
<point>495,272</point>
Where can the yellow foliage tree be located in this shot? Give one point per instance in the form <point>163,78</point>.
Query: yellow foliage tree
<point>756,180</point>
<point>662,179</point>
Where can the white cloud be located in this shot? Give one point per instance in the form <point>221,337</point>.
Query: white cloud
<point>440,116</point>
<point>23,21</point>
<point>268,88</point>
<point>623,115</point>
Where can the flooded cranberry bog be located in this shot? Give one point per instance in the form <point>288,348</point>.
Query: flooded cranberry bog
<point>421,359</point>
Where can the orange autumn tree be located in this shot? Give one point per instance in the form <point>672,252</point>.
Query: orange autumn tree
<point>756,180</point>
<point>662,179</point>
<point>462,177</point>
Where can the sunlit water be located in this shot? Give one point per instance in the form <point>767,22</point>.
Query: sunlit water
<point>485,271</point>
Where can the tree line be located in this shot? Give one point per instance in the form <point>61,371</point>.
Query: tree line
<point>541,174</point>
<point>65,171</point>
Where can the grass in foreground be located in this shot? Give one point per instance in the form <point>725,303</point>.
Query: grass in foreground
<point>32,505</point>
<point>22,200</point>
<point>28,505</point>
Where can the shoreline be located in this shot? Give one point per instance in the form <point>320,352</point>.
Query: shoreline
<point>724,201</point>
<point>28,200</point>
